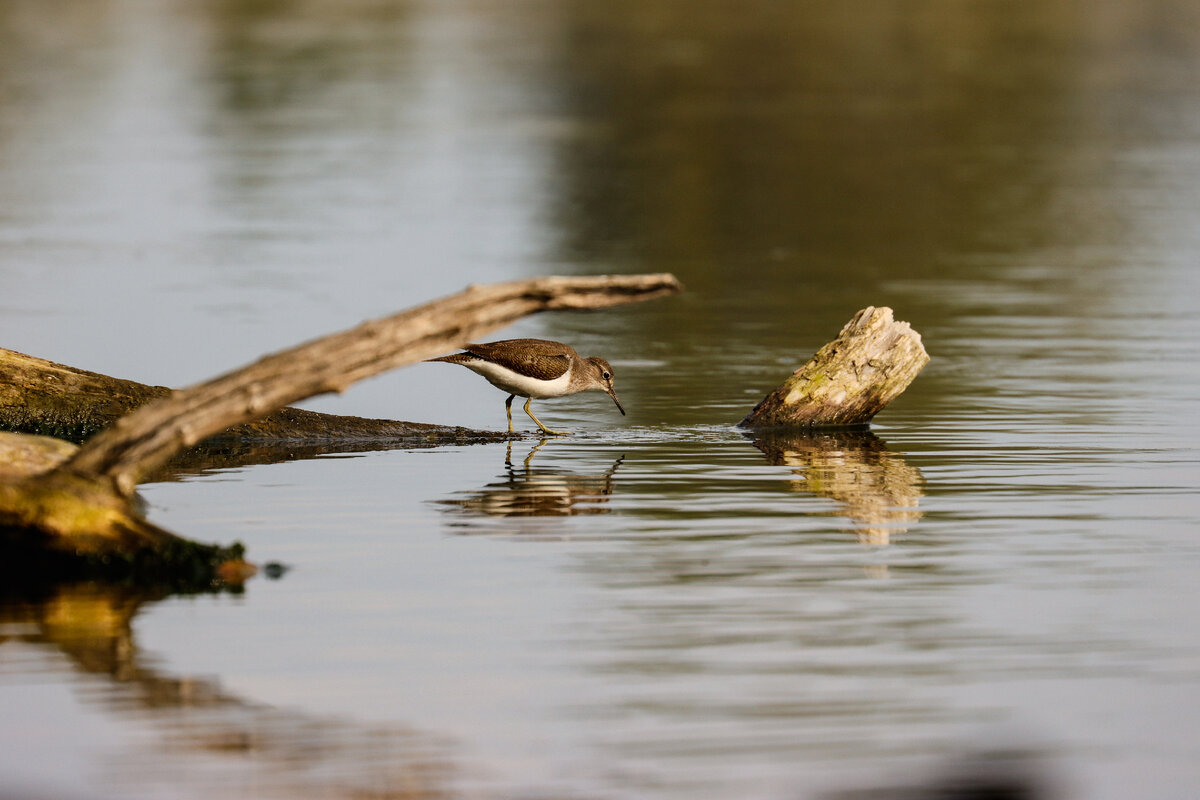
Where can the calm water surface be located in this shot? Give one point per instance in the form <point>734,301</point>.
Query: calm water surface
<point>1000,575</point>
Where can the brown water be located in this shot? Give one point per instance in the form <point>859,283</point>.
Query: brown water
<point>1000,577</point>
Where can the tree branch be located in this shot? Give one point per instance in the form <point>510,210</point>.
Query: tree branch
<point>79,516</point>
<point>140,442</point>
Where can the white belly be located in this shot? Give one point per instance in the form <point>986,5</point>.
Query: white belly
<point>516,383</point>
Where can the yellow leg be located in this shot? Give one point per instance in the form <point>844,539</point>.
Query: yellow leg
<point>508,410</point>
<point>539,422</point>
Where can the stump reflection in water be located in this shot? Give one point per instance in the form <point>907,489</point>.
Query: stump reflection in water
<point>876,489</point>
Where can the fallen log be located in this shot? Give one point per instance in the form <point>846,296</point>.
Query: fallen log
<point>849,380</point>
<point>84,506</point>
<point>48,399</point>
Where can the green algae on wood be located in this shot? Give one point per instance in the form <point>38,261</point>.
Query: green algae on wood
<point>849,380</point>
<point>65,524</point>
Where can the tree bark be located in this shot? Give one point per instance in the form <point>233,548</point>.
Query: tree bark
<point>84,504</point>
<point>48,399</point>
<point>849,380</point>
<point>41,397</point>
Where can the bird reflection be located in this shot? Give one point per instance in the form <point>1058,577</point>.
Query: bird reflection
<point>260,750</point>
<point>876,489</point>
<point>529,491</point>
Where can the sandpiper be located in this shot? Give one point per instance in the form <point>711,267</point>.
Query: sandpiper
<point>535,368</point>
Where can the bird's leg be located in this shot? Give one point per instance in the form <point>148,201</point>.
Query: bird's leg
<point>533,452</point>
<point>539,422</point>
<point>508,410</point>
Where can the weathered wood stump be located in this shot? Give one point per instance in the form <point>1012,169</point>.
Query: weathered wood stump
<point>849,380</point>
<point>83,507</point>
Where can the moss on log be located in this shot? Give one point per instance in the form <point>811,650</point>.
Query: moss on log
<point>58,523</point>
<point>62,524</point>
<point>849,380</point>
<point>42,397</point>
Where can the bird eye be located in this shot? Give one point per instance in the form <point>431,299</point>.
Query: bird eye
<point>607,376</point>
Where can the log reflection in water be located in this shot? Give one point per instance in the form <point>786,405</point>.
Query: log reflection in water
<point>205,738</point>
<point>876,489</point>
<point>529,491</point>
<point>216,455</point>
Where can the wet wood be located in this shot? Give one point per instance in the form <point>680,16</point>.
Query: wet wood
<point>84,505</point>
<point>849,380</point>
<point>25,454</point>
<point>44,398</point>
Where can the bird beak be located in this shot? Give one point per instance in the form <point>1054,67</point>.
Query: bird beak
<point>613,394</point>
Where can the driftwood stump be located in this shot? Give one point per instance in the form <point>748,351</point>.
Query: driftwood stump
<point>849,380</point>
<point>84,506</point>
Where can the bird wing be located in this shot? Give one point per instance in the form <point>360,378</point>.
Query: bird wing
<point>537,358</point>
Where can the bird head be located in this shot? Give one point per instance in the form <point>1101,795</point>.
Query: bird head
<point>602,379</point>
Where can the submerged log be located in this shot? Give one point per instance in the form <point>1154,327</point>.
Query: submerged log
<point>849,380</point>
<point>84,506</point>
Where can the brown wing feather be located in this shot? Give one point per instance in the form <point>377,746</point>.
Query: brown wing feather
<point>538,358</point>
